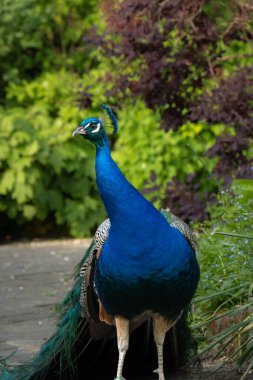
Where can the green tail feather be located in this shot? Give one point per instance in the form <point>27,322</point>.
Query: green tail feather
<point>183,344</point>
<point>60,347</point>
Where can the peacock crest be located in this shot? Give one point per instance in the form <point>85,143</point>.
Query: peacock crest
<point>108,118</point>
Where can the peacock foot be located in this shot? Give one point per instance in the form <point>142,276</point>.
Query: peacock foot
<point>160,373</point>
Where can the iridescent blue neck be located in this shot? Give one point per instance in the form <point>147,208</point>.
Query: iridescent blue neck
<point>122,201</point>
<point>102,141</point>
<point>110,180</point>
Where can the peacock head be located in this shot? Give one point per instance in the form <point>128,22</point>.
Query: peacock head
<point>93,128</point>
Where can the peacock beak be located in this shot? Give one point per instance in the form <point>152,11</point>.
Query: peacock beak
<point>79,131</point>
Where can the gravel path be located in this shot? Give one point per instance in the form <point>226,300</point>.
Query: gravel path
<point>34,277</point>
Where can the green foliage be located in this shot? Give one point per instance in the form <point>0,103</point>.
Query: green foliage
<point>226,260</point>
<point>185,61</point>
<point>150,157</point>
<point>45,174</point>
<point>44,170</point>
<point>48,62</point>
<point>229,234</point>
<point>42,34</point>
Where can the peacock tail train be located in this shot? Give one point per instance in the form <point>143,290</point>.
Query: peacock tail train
<point>73,352</point>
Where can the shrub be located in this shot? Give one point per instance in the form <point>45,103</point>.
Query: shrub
<point>188,61</point>
<point>44,170</point>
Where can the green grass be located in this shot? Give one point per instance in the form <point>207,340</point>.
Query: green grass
<point>225,296</point>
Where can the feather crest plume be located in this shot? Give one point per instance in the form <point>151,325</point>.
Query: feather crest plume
<point>108,118</point>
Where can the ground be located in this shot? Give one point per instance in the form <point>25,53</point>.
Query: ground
<point>34,277</point>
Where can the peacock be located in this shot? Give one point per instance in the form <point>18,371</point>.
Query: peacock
<point>139,274</point>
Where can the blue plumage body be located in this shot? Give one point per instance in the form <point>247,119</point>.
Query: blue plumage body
<point>145,263</point>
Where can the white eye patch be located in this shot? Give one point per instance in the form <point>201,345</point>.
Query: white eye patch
<point>97,129</point>
<point>86,126</point>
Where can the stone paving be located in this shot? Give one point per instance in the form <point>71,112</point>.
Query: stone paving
<point>34,278</point>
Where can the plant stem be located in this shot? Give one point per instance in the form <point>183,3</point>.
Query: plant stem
<point>233,235</point>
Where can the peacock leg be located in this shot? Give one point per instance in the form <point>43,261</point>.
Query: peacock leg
<point>104,316</point>
<point>122,326</point>
<point>160,326</point>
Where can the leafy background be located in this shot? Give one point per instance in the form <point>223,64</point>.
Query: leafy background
<point>183,72</point>
<point>179,76</point>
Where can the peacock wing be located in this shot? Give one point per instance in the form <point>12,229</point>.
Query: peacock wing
<point>181,226</point>
<point>92,309</point>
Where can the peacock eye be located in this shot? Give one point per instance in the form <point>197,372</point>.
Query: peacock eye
<point>95,127</point>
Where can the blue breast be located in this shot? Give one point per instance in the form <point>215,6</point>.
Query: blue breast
<point>145,264</point>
